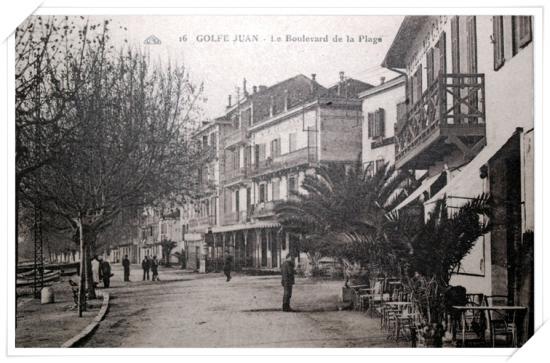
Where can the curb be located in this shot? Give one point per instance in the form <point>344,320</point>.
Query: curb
<point>92,326</point>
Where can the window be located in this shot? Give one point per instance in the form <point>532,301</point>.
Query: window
<point>498,42</point>
<point>236,201</point>
<point>163,228</point>
<point>275,190</point>
<point>291,184</point>
<point>521,31</point>
<point>205,141</point>
<point>291,142</point>
<point>376,123</point>
<point>275,148</point>
<point>262,193</point>
<point>236,159</point>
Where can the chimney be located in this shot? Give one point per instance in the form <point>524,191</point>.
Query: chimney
<point>382,80</point>
<point>341,76</point>
<point>254,89</point>
<point>313,75</point>
<point>245,92</point>
<point>229,101</point>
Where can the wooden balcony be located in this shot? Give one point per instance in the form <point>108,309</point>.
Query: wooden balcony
<point>450,115</point>
<point>300,157</point>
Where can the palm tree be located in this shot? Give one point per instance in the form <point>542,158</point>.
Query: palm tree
<point>340,202</point>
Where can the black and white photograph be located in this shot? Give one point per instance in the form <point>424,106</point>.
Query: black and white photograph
<point>273,180</point>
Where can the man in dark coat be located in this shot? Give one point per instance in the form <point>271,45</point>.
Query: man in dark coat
<point>287,280</point>
<point>155,268</point>
<point>126,266</point>
<point>228,265</point>
<point>146,265</point>
<point>105,270</point>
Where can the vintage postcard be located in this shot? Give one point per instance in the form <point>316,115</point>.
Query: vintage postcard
<point>274,180</point>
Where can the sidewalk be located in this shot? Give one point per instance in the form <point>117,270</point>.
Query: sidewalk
<point>50,325</point>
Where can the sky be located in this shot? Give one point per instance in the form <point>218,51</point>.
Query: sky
<point>206,46</point>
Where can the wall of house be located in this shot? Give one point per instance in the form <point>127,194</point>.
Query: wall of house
<point>509,95</point>
<point>387,100</point>
<point>296,124</point>
<point>340,134</point>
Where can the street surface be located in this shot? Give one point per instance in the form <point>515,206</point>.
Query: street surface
<point>187,310</point>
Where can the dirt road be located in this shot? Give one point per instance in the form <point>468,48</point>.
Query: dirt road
<point>192,310</point>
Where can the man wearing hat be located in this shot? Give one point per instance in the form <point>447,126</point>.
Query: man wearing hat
<point>287,280</point>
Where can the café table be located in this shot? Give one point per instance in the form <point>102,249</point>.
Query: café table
<point>513,309</point>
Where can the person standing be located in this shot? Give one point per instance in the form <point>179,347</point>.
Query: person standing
<point>105,269</point>
<point>126,266</point>
<point>155,268</point>
<point>146,265</point>
<point>287,280</point>
<point>227,265</point>
<point>95,270</point>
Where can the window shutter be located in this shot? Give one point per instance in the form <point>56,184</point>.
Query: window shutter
<point>524,30</point>
<point>381,123</point>
<point>262,152</point>
<point>418,83</point>
<point>498,42</point>
<point>455,47</point>
<point>472,44</point>
<point>371,124</point>
<point>442,45</point>
<point>430,66</point>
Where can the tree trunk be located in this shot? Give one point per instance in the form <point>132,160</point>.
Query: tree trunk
<point>82,289</point>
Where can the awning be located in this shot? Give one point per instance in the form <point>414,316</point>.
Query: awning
<point>242,226</point>
<point>467,183</point>
<point>426,184</point>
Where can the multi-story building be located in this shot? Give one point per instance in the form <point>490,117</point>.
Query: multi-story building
<point>383,105</point>
<point>469,124</point>
<point>202,212</point>
<point>280,134</point>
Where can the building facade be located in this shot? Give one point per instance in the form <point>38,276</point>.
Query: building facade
<point>469,124</point>
<point>277,135</point>
<point>383,105</point>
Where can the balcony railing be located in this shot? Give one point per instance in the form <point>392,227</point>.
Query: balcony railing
<point>236,217</point>
<point>264,209</point>
<point>201,222</point>
<point>298,157</point>
<point>452,110</point>
<point>233,175</point>
<point>235,137</point>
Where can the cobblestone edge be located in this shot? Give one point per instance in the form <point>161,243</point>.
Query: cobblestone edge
<point>71,343</point>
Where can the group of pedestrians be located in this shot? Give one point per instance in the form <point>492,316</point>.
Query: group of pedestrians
<point>101,271</point>
<point>150,264</point>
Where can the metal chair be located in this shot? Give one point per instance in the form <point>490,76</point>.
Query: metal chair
<point>501,323</point>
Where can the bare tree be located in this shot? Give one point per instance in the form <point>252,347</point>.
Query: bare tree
<point>128,147</point>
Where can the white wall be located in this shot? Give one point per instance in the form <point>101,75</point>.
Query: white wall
<point>387,100</point>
